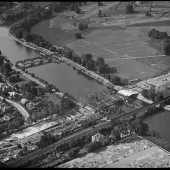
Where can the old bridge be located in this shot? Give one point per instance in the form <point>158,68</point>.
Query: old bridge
<point>36,61</point>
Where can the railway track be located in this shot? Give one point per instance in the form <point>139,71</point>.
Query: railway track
<point>50,148</point>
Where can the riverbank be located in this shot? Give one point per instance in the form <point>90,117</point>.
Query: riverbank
<point>68,62</point>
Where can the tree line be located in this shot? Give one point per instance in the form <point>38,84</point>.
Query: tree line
<point>111,135</point>
<point>99,66</point>
<point>156,34</point>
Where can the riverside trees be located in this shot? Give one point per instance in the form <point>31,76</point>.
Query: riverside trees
<point>21,29</point>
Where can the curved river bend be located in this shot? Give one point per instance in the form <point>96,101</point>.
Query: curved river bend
<point>68,80</point>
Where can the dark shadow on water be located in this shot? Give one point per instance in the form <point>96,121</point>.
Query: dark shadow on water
<point>88,77</point>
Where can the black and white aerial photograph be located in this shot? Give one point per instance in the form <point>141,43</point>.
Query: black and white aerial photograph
<point>85,84</point>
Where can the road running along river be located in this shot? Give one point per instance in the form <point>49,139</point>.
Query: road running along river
<point>68,80</point>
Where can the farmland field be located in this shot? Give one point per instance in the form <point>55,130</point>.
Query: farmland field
<point>129,49</point>
<point>117,47</point>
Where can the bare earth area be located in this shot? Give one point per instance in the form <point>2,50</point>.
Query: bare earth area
<point>133,153</point>
<point>108,155</point>
<point>149,158</point>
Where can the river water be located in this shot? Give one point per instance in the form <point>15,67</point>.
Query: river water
<point>68,80</point>
<point>61,75</point>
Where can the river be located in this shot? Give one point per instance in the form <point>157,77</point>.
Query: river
<point>68,80</point>
<point>62,76</point>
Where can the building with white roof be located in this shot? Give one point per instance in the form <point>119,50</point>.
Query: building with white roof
<point>128,93</point>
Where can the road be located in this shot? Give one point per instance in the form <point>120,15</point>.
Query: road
<point>19,108</point>
<point>52,147</point>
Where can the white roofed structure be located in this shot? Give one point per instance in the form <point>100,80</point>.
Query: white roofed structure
<point>128,93</point>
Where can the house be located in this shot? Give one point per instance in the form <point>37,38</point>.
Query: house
<point>14,94</point>
<point>98,137</point>
<point>24,101</point>
<point>5,118</point>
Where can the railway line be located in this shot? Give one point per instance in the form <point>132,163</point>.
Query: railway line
<point>50,148</point>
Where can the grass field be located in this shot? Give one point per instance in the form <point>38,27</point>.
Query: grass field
<point>118,48</point>
<point>54,34</point>
<point>129,49</point>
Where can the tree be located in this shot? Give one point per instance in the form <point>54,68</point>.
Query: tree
<point>73,152</point>
<point>72,144</point>
<point>99,13</point>
<point>7,67</point>
<point>53,49</point>
<point>77,10</point>
<point>105,142</point>
<point>69,54</point>
<point>18,34</point>
<point>1,60</point>
<point>90,65</point>
<point>86,57</point>
<point>139,127</point>
<point>99,63</point>
<point>81,26</point>
<point>92,146</point>
<point>115,79</point>
<point>67,103</point>
<point>129,9</point>
<point>115,134</point>
<point>159,96</point>
<point>148,14</point>
<point>144,92</point>
<point>48,87</point>
<point>25,149</point>
<point>19,146</point>
<point>166,47</point>
<point>78,35</point>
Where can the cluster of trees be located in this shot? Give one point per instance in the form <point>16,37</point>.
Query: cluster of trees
<point>157,34</point>
<point>92,146</point>
<point>16,121</point>
<point>73,6</point>
<point>67,102</point>
<point>129,8</point>
<point>23,10</point>
<point>6,69</point>
<point>166,47</point>
<point>78,35</point>
<point>44,109</point>
<point>29,89</point>
<point>14,78</point>
<point>148,14</point>
<point>111,133</point>
<point>46,139</point>
<point>22,28</point>
<point>99,66</point>
<point>82,26</point>
<point>152,94</point>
